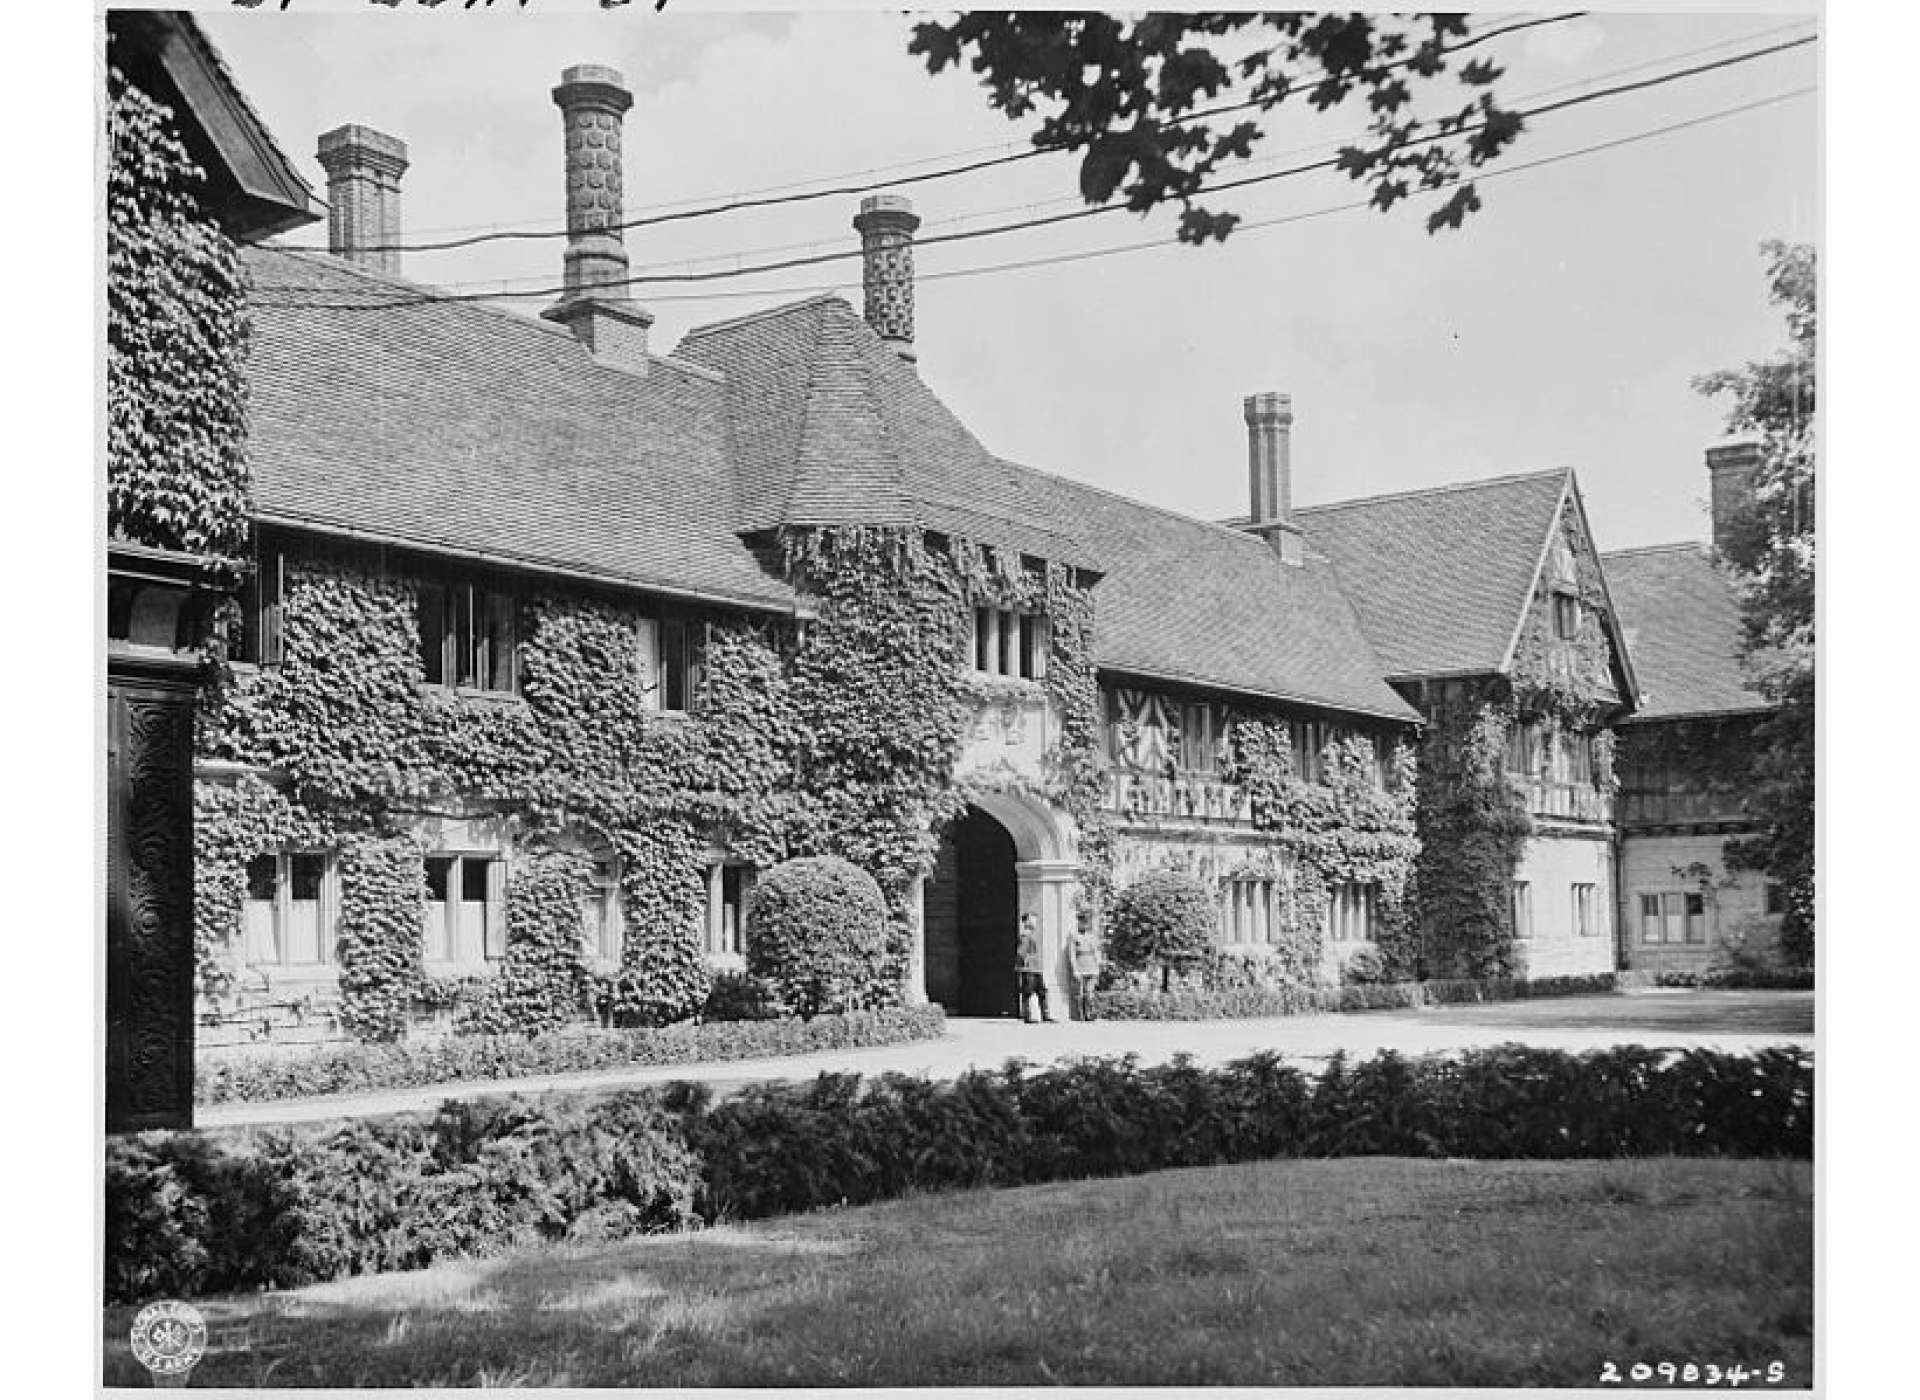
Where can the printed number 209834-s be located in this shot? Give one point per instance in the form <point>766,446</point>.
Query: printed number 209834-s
<point>1691,1373</point>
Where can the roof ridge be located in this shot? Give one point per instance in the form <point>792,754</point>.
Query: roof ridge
<point>732,322</point>
<point>1125,499</point>
<point>436,295</point>
<point>1446,489</point>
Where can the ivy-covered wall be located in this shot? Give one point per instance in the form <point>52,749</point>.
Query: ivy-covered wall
<point>1474,819</point>
<point>837,736</point>
<point>177,334</point>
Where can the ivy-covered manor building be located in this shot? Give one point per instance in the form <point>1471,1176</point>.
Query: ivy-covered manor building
<point>553,641</point>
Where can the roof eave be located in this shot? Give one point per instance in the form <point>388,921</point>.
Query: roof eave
<point>1406,714</point>
<point>529,564</point>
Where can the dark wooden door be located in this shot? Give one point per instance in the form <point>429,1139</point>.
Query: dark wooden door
<point>989,911</point>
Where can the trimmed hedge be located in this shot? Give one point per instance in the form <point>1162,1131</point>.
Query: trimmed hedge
<point>817,934</point>
<point>190,1213</point>
<point>1769,979</point>
<point>1126,1004</point>
<point>361,1069</point>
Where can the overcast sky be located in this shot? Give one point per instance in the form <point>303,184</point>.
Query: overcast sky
<point>1562,326</point>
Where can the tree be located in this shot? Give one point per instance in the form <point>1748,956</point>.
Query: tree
<point>1165,917</point>
<point>1770,546</point>
<point>1129,93</point>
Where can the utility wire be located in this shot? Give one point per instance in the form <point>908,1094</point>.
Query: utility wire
<point>766,200</point>
<point>1253,225</point>
<point>510,286</point>
<point>415,299</point>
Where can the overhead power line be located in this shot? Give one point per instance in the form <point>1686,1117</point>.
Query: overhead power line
<point>771,199</point>
<point>1255,225</point>
<point>788,264</point>
<point>510,286</point>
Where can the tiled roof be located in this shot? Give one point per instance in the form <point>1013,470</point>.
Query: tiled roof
<point>458,427</point>
<point>1441,578</point>
<point>1181,599</point>
<point>1683,627</point>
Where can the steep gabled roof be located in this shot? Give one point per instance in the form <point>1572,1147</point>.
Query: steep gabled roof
<point>1441,578</point>
<point>456,427</point>
<point>829,425</point>
<point>250,185</point>
<point>1683,624</point>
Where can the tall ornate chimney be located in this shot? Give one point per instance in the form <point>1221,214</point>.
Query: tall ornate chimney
<point>596,305</point>
<point>363,168</point>
<point>1270,473</point>
<point>886,223</point>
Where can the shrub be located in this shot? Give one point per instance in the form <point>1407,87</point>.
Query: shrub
<point>739,996</point>
<point>190,1213</point>
<point>1166,919</point>
<point>817,933</point>
<point>1775,979</point>
<point>1362,968</point>
<point>351,1069</point>
<point>1202,1004</point>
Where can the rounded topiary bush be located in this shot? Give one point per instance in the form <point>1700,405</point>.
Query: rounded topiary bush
<point>817,932</point>
<point>1363,968</point>
<point>1166,918</point>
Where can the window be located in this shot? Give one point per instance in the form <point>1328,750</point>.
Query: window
<point>1696,907</point>
<point>1309,745</point>
<point>1584,923</point>
<point>1009,642</point>
<point>466,919</point>
<point>1673,917</point>
<point>1522,909</point>
<point>1198,741</point>
<point>682,664</point>
<point>728,889</point>
<point>469,636</point>
<point>1250,910</point>
<point>1351,910</point>
<point>288,913</point>
<point>1523,750</point>
<point>261,638</point>
<point>1566,616</point>
<point>600,914</point>
<point>1776,898</point>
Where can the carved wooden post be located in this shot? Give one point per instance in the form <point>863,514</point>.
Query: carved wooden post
<point>158,602</point>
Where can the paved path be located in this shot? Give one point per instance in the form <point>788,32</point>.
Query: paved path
<point>1717,1020</point>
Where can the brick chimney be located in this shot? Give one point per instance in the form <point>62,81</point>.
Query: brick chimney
<point>1731,465</point>
<point>363,168</point>
<point>1270,473</point>
<point>596,305</point>
<point>886,223</point>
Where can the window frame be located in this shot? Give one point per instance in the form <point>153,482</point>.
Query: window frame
<point>1009,643</point>
<point>454,621</point>
<point>727,939</point>
<point>1353,912</point>
<point>280,919</point>
<point>485,949</point>
<point>1520,909</point>
<point>1586,907</point>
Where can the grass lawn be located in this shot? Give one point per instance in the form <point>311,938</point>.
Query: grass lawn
<point>1362,1271</point>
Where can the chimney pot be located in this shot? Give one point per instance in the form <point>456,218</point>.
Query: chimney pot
<point>1731,465</point>
<point>886,223</point>
<point>363,168</point>
<point>1270,473</point>
<point>595,304</point>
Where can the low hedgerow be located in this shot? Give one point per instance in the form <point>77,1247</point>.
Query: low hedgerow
<point>1132,1004</point>
<point>190,1213</point>
<point>371,1068</point>
<point>1769,979</point>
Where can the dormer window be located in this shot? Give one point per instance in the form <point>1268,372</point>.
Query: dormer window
<point>1010,642</point>
<point>1566,616</point>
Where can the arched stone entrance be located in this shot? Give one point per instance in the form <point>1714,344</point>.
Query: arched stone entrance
<point>1008,854</point>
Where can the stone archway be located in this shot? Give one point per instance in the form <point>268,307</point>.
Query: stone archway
<point>1008,854</point>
